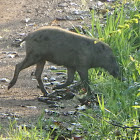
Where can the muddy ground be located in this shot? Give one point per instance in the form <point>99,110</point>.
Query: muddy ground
<point>17,19</point>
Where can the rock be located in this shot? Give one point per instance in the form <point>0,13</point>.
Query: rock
<point>47,84</point>
<point>32,107</point>
<point>63,4</point>
<point>4,80</point>
<point>79,12</point>
<point>50,102</point>
<point>78,137</point>
<point>68,95</point>
<point>52,112</point>
<point>12,54</point>
<point>60,73</point>
<point>80,108</point>
<point>27,20</point>
<point>52,79</point>
<point>99,3</point>
<point>71,128</point>
<point>77,125</point>
<point>10,115</point>
<point>69,113</point>
<point>17,39</point>
<point>73,4</point>
<point>45,79</point>
<point>22,34</point>
<point>43,99</point>
<point>31,24</point>
<point>25,126</point>
<point>3,52</point>
<point>71,18</point>
<point>58,98</point>
<point>55,83</point>
<point>53,68</point>
<point>54,106</point>
<point>1,37</point>
<point>111,0</point>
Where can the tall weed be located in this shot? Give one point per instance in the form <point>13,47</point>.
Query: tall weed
<point>119,108</point>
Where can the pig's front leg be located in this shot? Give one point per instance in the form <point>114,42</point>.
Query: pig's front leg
<point>83,72</point>
<point>70,74</point>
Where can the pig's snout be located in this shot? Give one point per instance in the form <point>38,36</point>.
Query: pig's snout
<point>115,73</point>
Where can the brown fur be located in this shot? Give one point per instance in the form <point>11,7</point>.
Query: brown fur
<point>62,47</point>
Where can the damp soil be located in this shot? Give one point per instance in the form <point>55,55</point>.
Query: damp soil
<point>17,19</point>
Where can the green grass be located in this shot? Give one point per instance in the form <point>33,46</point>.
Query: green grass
<point>118,113</point>
<point>119,106</point>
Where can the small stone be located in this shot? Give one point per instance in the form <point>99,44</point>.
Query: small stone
<point>52,112</point>
<point>78,137</point>
<point>62,4</point>
<point>49,102</point>
<point>69,113</point>
<point>27,20</point>
<point>54,106</point>
<point>54,127</point>
<point>60,73</point>
<point>70,128</point>
<point>47,84</point>
<point>4,80</point>
<point>73,4</point>
<point>31,24</point>
<point>52,79</point>
<point>77,125</point>
<point>76,12</point>
<point>3,52</point>
<point>46,110</point>
<point>17,39</point>
<point>55,83</point>
<point>58,97</point>
<point>45,79</point>
<point>12,55</point>
<point>22,34</point>
<point>99,3</point>
<point>25,126</point>
<point>32,107</point>
<point>72,18</point>
<point>43,99</point>
<point>1,37</point>
<point>80,108</point>
<point>53,68</point>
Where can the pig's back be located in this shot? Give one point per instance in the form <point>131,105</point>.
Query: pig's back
<point>60,46</point>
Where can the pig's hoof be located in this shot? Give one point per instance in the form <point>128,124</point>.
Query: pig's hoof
<point>10,85</point>
<point>45,94</point>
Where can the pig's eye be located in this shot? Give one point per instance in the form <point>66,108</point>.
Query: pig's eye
<point>115,73</point>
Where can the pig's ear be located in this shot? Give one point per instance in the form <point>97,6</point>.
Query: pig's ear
<point>101,48</point>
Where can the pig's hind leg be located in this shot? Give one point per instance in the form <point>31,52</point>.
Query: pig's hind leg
<point>38,72</point>
<point>27,62</point>
<point>70,74</point>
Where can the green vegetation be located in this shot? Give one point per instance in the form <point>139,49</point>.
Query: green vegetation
<point>118,113</point>
<point>119,107</point>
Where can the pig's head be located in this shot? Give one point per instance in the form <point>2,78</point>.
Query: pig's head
<point>112,66</point>
<point>108,61</point>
